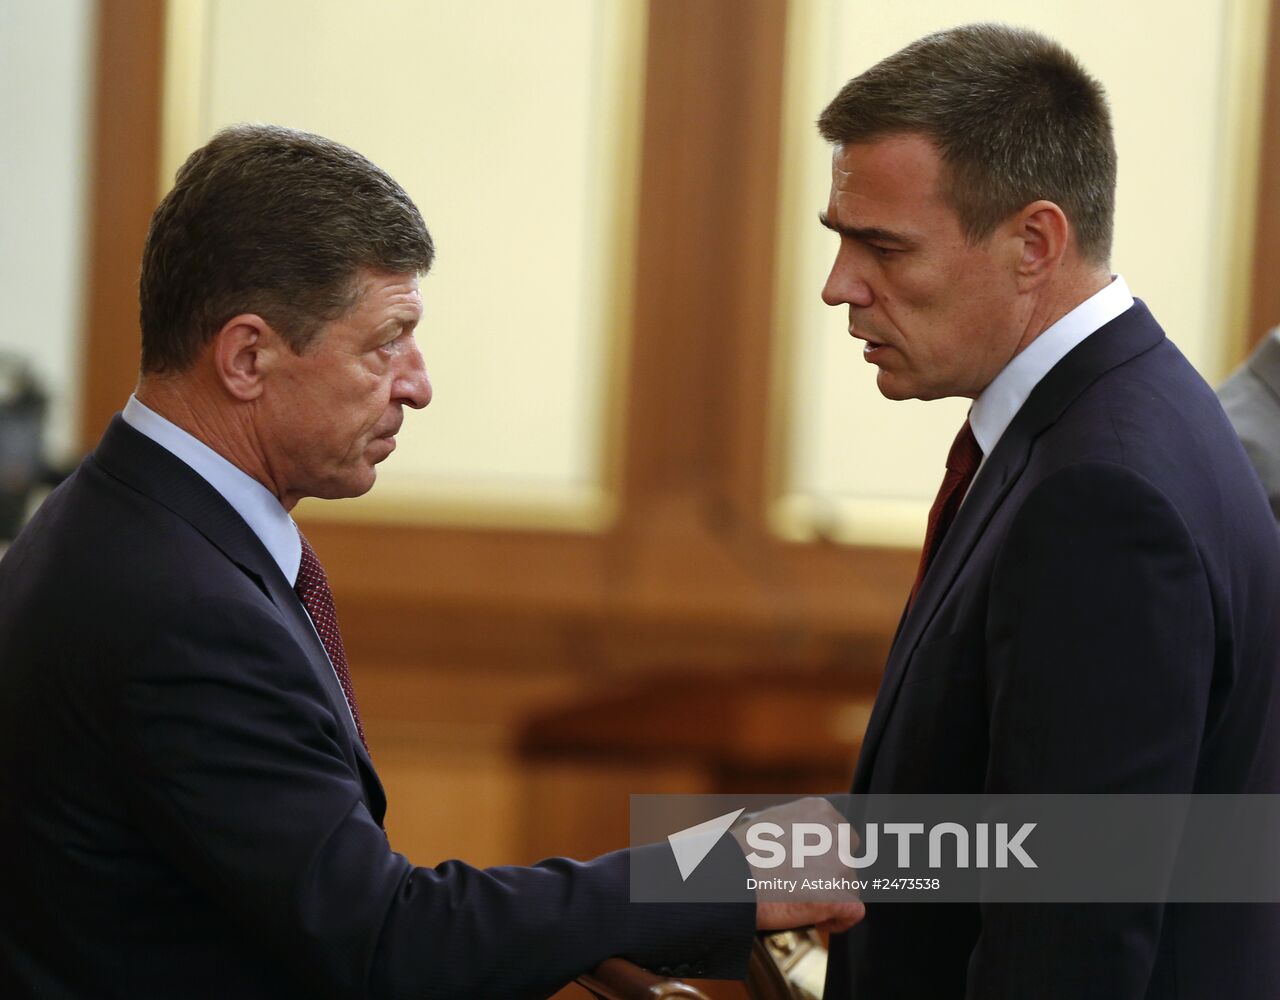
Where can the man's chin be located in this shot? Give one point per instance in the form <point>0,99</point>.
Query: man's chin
<point>893,388</point>
<point>361,490</point>
<point>897,388</point>
<point>349,488</point>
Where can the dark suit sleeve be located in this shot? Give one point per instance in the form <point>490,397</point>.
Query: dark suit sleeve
<point>236,771</point>
<point>1100,653</point>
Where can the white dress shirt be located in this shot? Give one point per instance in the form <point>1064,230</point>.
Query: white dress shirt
<point>999,403</point>
<point>255,503</point>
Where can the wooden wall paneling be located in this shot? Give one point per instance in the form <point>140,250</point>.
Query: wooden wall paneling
<point>581,808</point>
<point>708,183</point>
<point>691,530</point>
<point>123,186</point>
<point>1264,312</point>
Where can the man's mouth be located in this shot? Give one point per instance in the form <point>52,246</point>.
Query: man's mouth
<point>389,439</point>
<point>870,348</point>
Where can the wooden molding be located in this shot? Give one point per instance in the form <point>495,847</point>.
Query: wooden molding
<point>1264,311</point>
<point>126,156</point>
<point>704,289</point>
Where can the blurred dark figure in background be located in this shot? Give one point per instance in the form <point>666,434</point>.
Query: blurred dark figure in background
<point>1251,397</point>
<point>22,467</point>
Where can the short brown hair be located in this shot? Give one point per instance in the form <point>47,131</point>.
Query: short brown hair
<point>1013,115</point>
<point>272,221</point>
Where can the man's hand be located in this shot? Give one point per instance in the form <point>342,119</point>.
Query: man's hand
<point>785,907</point>
<point>829,917</point>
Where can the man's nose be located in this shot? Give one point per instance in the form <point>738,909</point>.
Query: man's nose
<point>413,385</point>
<point>846,284</point>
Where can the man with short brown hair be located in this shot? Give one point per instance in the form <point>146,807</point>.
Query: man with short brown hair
<point>1094,610</point>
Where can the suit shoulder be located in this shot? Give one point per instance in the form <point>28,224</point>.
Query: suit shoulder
<point>1098,495</point>
<point>1156,416</point>
<point>100,568</point>
<point>96,535</point>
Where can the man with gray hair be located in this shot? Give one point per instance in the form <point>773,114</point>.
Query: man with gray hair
<point>189,807</point>
<point>1094,610</point>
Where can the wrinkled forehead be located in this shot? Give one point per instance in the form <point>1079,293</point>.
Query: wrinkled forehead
<point>896,178</point>
<point>905,162</point>
<point>397,293</point>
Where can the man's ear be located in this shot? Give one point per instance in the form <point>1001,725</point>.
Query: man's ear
<point>1044,232</point>
<point>242,352</point>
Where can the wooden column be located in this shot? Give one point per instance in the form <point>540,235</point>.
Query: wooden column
<point>123,194</point>
<point>705,271</point>
<point>1264,311</point>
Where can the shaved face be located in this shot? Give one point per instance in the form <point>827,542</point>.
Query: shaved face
<point>334,410</point>
<point>939,316</point>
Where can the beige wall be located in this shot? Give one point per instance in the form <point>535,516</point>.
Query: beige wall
<point>45,96</point>
<point>513,126</point>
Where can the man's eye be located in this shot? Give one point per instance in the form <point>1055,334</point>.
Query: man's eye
<point>885,251</point>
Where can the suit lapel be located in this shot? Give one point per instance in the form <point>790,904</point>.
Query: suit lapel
<point>1128,335</point>
<point>284,597</point>
<point>145,466</point>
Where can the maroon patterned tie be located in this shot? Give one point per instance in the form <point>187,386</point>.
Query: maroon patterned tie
<point>962,465</point>
<point>313,590</point>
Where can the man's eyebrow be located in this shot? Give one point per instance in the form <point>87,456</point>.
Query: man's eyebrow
<point>867,234</point>
<point>392,323</point>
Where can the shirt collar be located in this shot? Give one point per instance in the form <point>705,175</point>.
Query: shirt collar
<point>1000,401</point>
<point>256,504</point>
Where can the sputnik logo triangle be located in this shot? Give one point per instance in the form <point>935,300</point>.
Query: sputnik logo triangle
<point>692,844</point>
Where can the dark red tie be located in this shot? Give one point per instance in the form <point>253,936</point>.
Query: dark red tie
<point>313,590</point>
<point>962,465</point>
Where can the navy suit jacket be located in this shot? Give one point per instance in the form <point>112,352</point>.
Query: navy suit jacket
<point>186,810</point>
<point>1102,616</point>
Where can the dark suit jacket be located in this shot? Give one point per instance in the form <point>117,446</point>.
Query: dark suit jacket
<point>185,809</point>
<point>1102,616</point>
